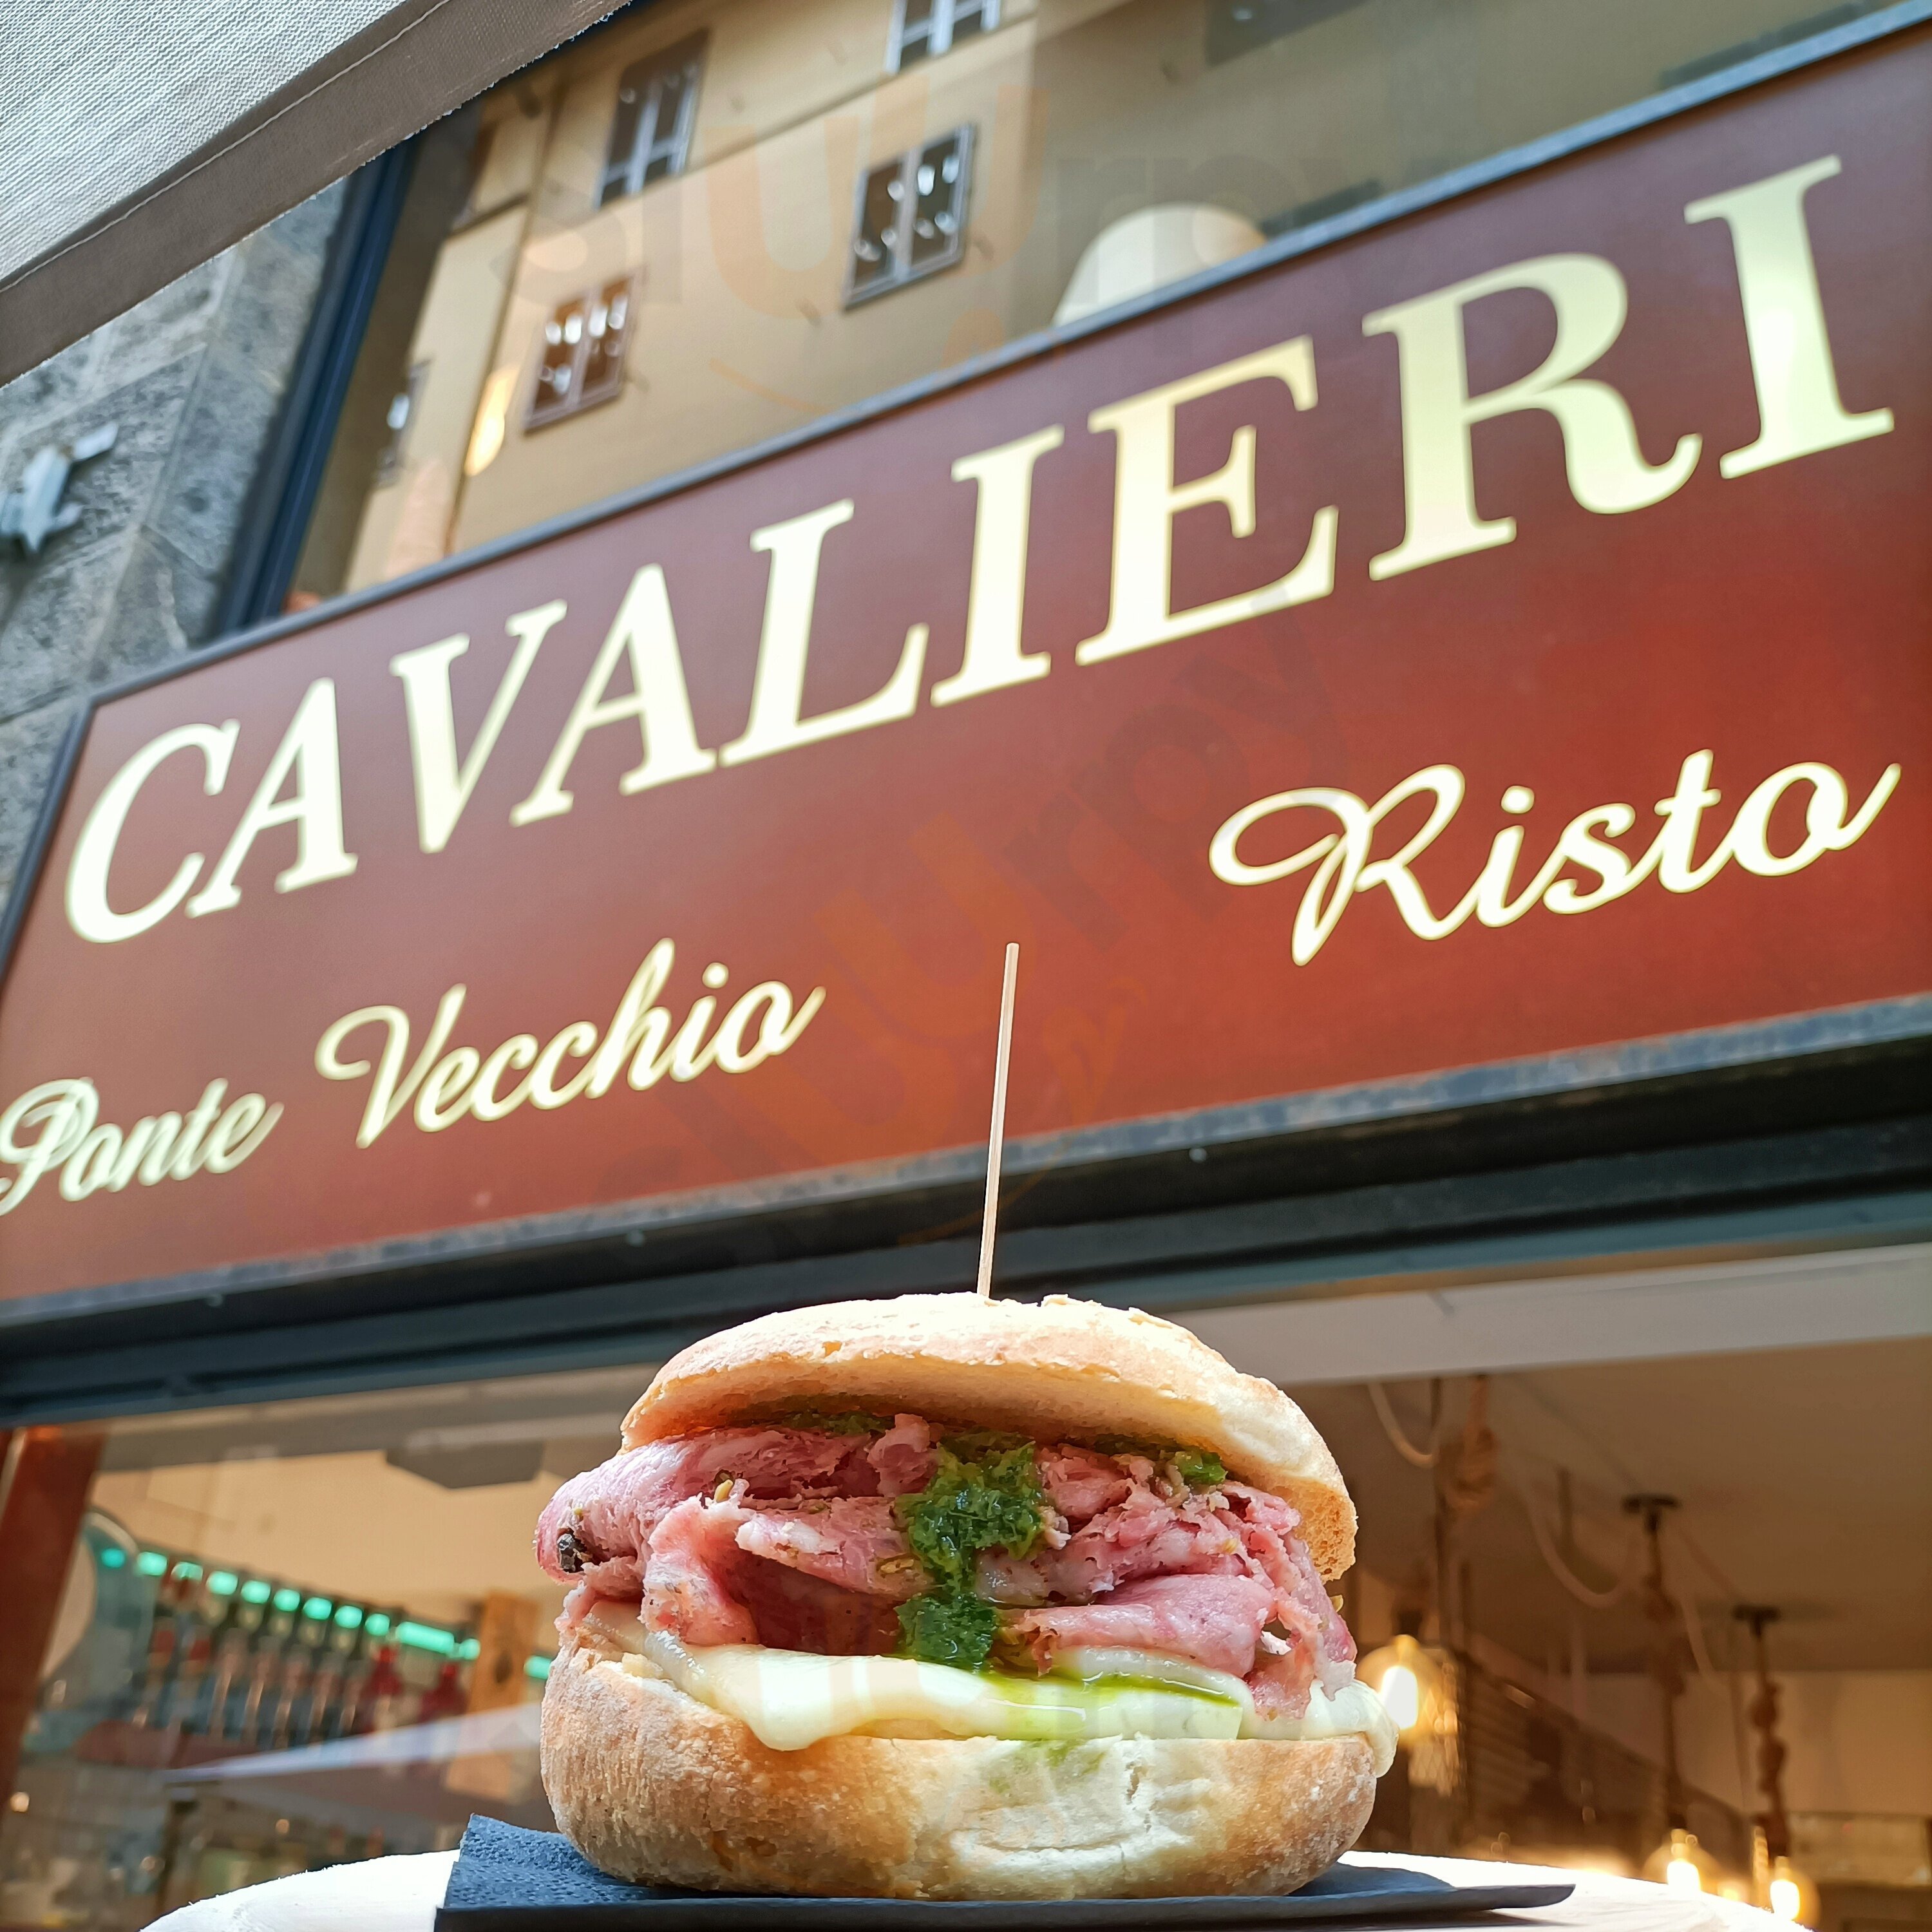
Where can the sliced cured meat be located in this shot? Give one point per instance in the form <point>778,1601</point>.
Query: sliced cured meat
<point>793,1611</point>
<point>854,1542</point>
<point>1146,1535</point>
<point>1213,1621</point>
<point>1280,1687</point>
<point>1081,1483</point>
<point>1001,1578</point>
<point>598,1525</point>
<point>684,1591</point>
<point>1267,1527</point>
<point>791,1538</point>
<point>903,1457</point>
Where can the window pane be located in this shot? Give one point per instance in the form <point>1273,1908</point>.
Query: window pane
<point>608,324</point>
<point>939,191</point>
<point>651,128</point>
<point>875,249</point>
<point>916,31</point>
<point>557,373</point>
<point>671,89</point>
<point>625,125</point>
<point>970,17</point>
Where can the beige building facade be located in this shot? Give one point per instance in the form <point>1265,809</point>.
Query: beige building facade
<point>722,299</point>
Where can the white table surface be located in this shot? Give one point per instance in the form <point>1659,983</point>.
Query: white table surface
<point>401,1894</point>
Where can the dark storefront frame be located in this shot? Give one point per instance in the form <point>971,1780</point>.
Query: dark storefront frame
<point>1798,1133</point>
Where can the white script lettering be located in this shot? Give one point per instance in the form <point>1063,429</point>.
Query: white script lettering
<point>1344,866</point>
<point>57,1125</point>
<point>444,1086</point>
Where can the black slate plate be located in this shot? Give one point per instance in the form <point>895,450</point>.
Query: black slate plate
<point>508,1879</point>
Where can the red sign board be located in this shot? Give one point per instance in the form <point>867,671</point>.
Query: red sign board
<point>1498,633</point>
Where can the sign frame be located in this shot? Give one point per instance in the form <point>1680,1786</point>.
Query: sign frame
<point>1678,1054</point>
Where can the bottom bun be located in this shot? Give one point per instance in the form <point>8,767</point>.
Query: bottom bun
<point>654,1787</point>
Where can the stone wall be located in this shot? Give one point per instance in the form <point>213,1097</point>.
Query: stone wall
<point>193,377</point>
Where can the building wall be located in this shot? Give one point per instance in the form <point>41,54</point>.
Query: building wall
<point>194,377</point>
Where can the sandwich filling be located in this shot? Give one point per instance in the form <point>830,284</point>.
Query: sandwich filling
<point>992,1584</point>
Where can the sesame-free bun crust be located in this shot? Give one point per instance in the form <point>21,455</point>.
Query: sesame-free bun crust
<point>654,1787</point>
<point>1054,1369</point>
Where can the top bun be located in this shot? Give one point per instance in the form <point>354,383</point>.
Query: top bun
<point>1052,1370</point>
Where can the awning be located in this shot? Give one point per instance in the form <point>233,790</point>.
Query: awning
<point>137,141</point>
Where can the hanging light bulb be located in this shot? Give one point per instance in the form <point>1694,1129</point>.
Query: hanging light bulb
<point>1401,1696</point>
<point>1409,1681</point>
<point>1683,1864</point>
<point>1680,1873</point>
<point>1791,1895</point>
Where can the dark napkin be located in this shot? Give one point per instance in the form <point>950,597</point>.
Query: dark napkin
<point>507,1879</point>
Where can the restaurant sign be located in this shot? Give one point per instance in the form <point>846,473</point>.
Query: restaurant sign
<point>1498,633</point>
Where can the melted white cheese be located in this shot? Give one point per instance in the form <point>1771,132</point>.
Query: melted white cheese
<point>790,1699</point>
<point>1350,1710</point>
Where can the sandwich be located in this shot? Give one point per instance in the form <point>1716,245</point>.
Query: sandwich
<point>942,1598</point>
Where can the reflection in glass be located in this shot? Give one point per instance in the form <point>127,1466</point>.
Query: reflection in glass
<point>768,188</point>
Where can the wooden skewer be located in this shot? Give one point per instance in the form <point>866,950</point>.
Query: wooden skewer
<point>999,1132</point>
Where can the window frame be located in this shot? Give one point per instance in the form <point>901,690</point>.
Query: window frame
<point>939,38</point>
<point>617,181</point>
<point>536,415</point>
<point>967,135</point>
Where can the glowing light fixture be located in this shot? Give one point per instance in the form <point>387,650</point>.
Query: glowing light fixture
<point>1402,1695</point>
<point>1791,1895</point>
<point>1409,1681</point>
<point>1683,1864</point>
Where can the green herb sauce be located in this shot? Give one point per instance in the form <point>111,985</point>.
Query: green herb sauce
<point>836,1422</point>
<point>988,1498</point>
<point>948,1627</point>
<point>1198,1468</point>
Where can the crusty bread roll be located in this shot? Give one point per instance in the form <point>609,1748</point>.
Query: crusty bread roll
<point>1055,1369</point>
<point>654,1787</point>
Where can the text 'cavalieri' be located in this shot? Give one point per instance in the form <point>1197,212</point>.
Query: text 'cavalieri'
<point>633,683</point>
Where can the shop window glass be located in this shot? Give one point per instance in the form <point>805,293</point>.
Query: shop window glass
<point>912,215</point>
<point>923,27</point>
<point>650,135</point>
<point>289,1634</point>
<point>348,1580</point>
<point>583,358</point>
<point>773,219</point>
